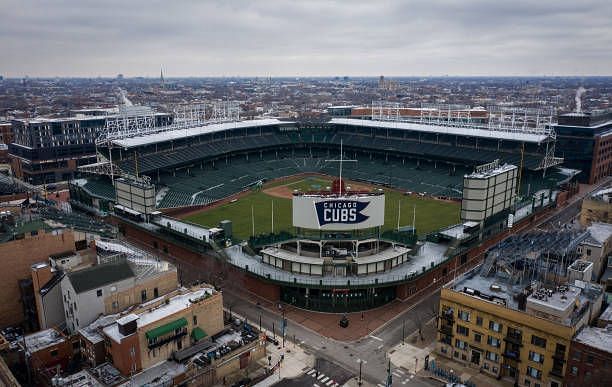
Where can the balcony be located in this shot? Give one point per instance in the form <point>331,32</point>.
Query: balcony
<point>558,372</point>
<point>559,356</point>
<point>446,330</point>
<point>514,355</point>
<point>515,339</point>
<point>165,340</point>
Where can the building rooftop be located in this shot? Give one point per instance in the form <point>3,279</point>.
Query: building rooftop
<point>564,303</point>
<point>92,331</point>
<point>607,314</point>
<point>157,375</point>
<point>43,339</point>
<point>600,338</point>
<point>191,132</point>
<point>174,305</point>
<point>460,131</point>
<point>599,233</point>
<point>99,275</point>
<point>80,379</point>
<point>491,172</point>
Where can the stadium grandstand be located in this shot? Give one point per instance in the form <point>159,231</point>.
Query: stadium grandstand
<point>426,151</point>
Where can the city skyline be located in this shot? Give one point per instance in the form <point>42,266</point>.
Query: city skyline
<point>317,38</point>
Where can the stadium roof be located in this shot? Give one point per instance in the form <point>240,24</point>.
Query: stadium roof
<point>191,132</point>
<point>466,131</point>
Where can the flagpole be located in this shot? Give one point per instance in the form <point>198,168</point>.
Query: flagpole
<point>414,219</point>
<point>341,167</point>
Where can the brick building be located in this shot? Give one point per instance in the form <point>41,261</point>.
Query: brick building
<point>590,358</point>
<point>29,243</point>
<point>597,207</point>
<point>156,329</point>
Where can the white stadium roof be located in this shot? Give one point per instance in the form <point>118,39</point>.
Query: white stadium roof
<point>177,134</point>
<point>461,131</point>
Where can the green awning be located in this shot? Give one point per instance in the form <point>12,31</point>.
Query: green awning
<point>198,334</point>
<point>166,328</point>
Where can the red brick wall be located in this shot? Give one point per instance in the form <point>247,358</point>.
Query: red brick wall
<point>121,354</point>
<point>595,373</point>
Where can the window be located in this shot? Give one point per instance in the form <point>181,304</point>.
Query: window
<point>493,342</point>
<point>195,319</point>
<point>143,295</point>
<point>588,252</point>
<point>492,356</point>
<point>534,373</point>
<point>463,315</point>
<point>496,327</point>
<point>53,353</point>
<point>155,293</point>
<point>477,337</point>
<point>463,330</point>
<point>460,344</point>
<point>479,321</point>
<point>576,355</point>
<point>536,357</point>
<point>589,359</point>
<point>76,345</point>
<point>540,342</point>
<point>527,382</point>
<point>574,370</point>
<point>99,292</point>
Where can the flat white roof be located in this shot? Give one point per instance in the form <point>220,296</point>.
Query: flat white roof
<point>174,305</point>
<point>470,132</point>
<point>42,339</point>
<point>192,132</point>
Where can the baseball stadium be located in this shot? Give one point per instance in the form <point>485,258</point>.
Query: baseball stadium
<point>254,194</point>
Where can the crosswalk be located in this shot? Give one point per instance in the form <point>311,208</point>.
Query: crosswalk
<point>399,376</point>
<point>321,380</point>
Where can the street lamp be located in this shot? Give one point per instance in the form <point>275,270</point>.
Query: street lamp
<point>360,361</point>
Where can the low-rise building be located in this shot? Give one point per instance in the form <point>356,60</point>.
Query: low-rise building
<point>93,348</point>
<point>48,295</point>
<point>511,330</point>
<point>155,330</point>
<point>597,247</point>
<point>113,286</point>
<point>48,349</point>
<point>597,207</point>
<point>590,358</point>
<point>21,247</point>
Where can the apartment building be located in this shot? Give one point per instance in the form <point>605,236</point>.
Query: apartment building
<point>590,358</point>
<point>155,330</point>
<point>111,287</point>
<point>518,333</point>
<point>597,207</point>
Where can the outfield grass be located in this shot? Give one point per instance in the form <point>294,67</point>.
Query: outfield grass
<point>430,214</point>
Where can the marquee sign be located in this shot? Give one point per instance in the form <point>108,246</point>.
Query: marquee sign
<point>338,213</point>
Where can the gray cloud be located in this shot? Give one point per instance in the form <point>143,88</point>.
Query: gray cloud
<point>240,37</point>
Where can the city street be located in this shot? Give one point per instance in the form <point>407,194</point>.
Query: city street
<point>372,350</point>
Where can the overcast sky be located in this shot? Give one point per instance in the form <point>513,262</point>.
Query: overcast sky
<point>302,38</point>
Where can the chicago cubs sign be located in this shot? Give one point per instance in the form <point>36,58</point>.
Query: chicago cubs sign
<point>338,213</point>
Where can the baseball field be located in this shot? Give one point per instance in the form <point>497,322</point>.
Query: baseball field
<point>431,214</point>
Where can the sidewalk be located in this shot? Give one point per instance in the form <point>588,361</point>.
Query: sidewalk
<point>295,361</point>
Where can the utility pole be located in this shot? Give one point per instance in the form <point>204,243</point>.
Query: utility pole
<point>403,331</point>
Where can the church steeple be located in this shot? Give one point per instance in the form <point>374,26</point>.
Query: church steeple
<point>161,75</point>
